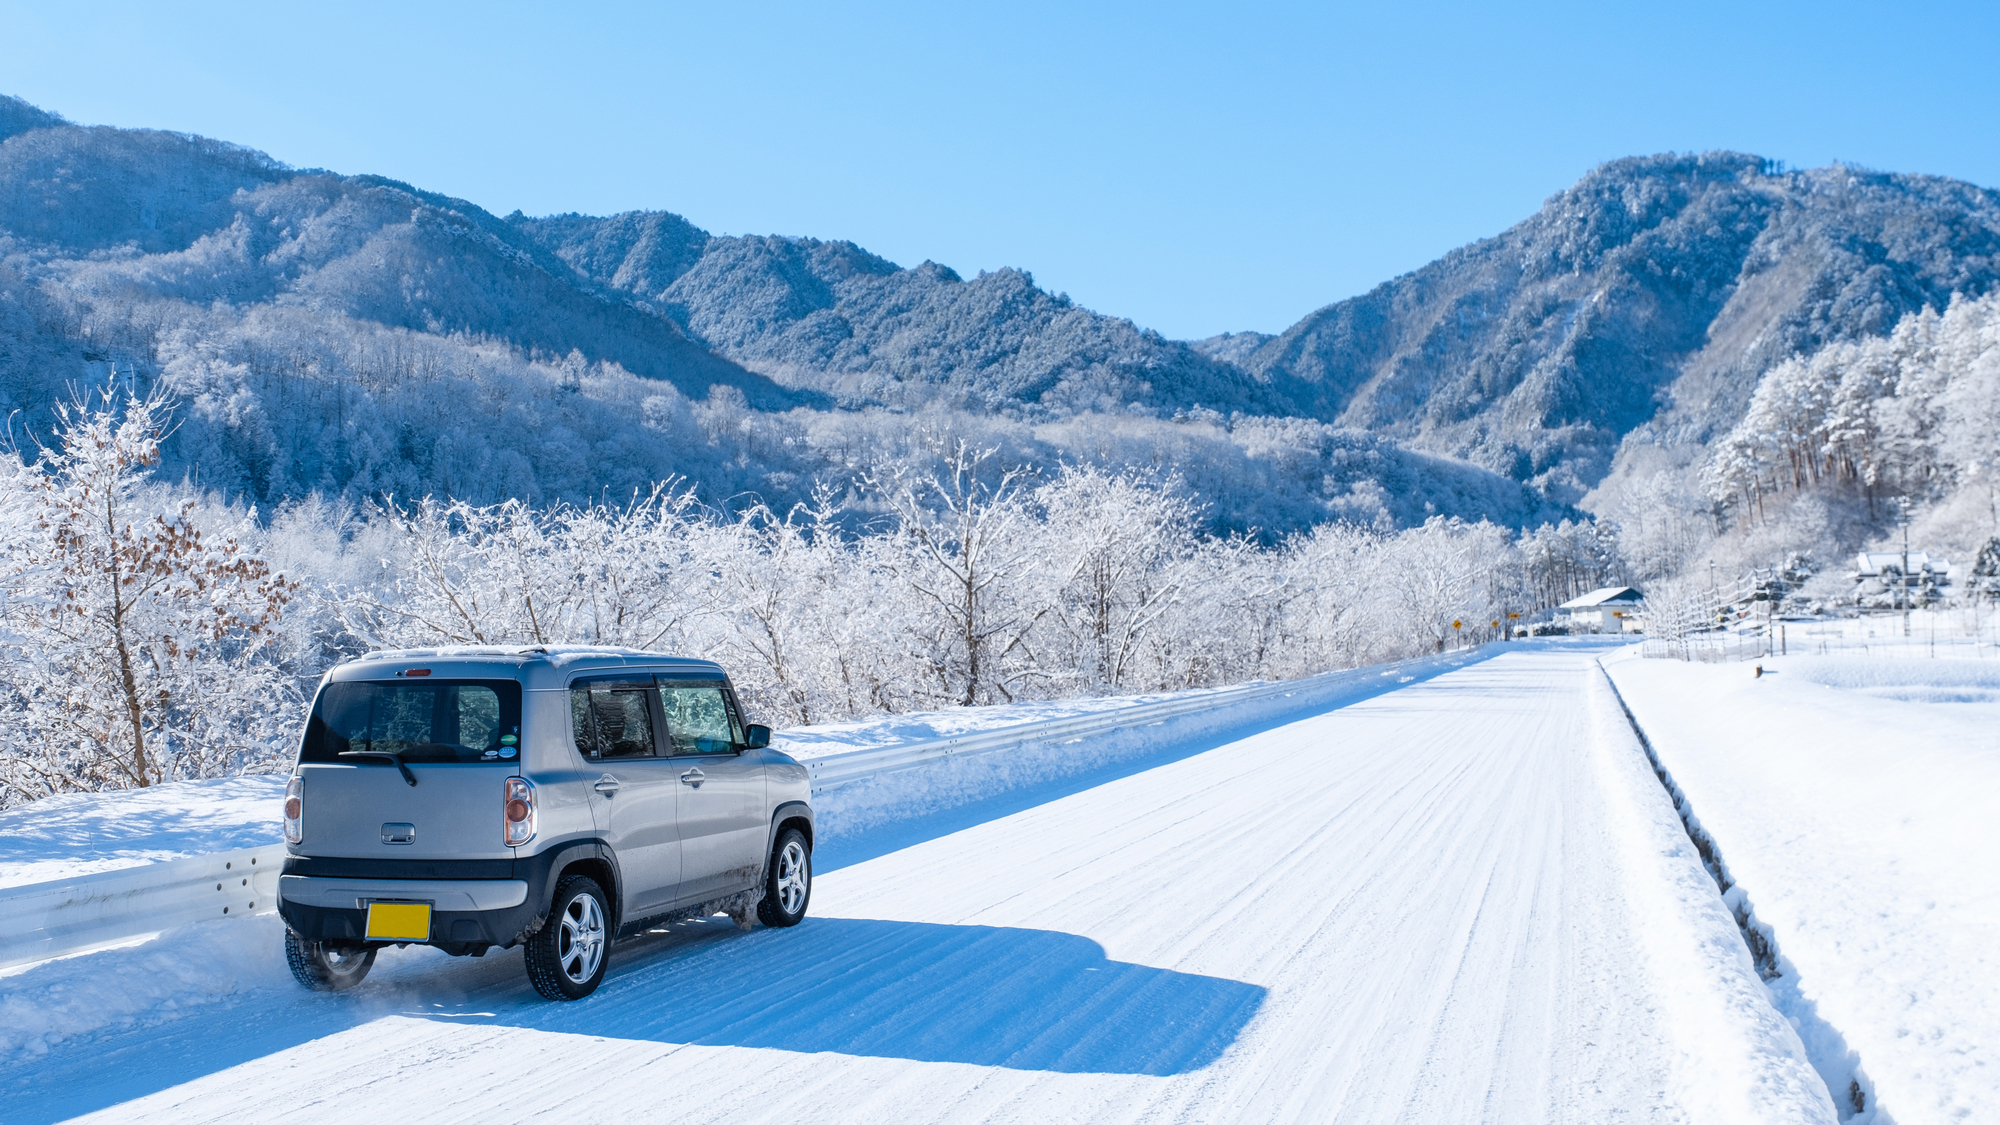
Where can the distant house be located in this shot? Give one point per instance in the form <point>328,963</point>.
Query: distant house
<point>1608,609</point>
<point>1880,581</point>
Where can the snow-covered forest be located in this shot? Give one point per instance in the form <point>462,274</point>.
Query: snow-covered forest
<point>156,632</point>
<point>1848,447</point>
<point>1912,416</point>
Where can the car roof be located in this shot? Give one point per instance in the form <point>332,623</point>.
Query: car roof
<point>540,666</point>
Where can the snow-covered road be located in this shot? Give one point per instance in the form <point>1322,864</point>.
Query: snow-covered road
<point>1465,900</point>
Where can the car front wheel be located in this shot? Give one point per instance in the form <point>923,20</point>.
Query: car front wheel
<point>567,956</point>
<point>787,881</point>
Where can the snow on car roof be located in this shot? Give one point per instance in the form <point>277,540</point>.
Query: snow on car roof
<point>554,654</point>
<point>521,660</point>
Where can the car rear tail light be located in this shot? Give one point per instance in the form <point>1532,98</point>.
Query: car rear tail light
<point>519,815</point>
<point>295,802</point>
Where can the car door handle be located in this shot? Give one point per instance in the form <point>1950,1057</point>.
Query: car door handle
<point>693,777</point>
<point>606,785</point>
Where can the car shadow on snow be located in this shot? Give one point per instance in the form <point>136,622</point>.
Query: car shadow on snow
<point>984,995</point>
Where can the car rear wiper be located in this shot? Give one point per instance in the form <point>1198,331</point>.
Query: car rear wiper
<point>389,754</point>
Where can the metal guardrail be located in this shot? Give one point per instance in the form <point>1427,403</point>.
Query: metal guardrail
<point>835,770</point>
<point>43,920</point>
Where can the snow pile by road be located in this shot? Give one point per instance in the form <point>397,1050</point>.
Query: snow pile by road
<point>1739,1060</point>
<point>154,982</point>
<point>84,833</point>
<point>1857,803</point>
<point>822,739</point>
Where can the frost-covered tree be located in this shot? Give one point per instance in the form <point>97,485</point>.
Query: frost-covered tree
<point>1985,581</point>
<point>138,638</point>
<point>1120,550</point>
<point>1908,415</point>
<point>807,608</point>
<point>963,551</point>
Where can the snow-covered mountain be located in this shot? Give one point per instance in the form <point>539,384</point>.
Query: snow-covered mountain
<point>149,215</point>
<point>321,325</point>
<point>1642,303</point>
<point>832,317</point>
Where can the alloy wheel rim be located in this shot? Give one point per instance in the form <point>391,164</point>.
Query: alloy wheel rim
<point>792,877</point>
<point>581,943</point>
<point>343,962</point>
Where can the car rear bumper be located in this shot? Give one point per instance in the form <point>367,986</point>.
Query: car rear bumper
<point>451,927</point>
<point>459,895</point>
<point>474,903</point>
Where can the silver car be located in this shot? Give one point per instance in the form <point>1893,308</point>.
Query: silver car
<point>549,798</point>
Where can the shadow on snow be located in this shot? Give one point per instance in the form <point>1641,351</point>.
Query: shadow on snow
<point>983,995</point>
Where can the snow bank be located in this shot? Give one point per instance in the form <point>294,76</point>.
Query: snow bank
<point>1867,829</point>
<point>182,969</point>
<point>822,739</point>
<point>84,833</point>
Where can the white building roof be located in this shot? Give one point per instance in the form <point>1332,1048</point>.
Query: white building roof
<point>1604,595</point>
<point>1874,562</point>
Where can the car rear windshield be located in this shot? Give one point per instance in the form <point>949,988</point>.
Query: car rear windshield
<point>431,721</point>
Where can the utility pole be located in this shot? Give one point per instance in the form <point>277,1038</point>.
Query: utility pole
<point>1903,580</point>
<point>1714,601</point>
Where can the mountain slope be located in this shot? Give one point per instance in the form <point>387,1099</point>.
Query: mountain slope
<point>1643,301</point>
<point>832,317</point>
<point>163,215</point>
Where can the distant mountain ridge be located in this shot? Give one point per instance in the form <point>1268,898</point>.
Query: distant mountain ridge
<point>832,317</point>
<point>167,215</point>
<point>1642,302</point>
<point>1618,329</point>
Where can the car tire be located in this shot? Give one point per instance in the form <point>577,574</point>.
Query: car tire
<point>787,881</point>
<point>566,958</point>
<point>325,968</point>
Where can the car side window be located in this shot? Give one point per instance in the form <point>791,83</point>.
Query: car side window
<point>699,720</point>
<point>611,721</point>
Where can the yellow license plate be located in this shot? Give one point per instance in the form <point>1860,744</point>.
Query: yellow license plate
<point>399,921</point>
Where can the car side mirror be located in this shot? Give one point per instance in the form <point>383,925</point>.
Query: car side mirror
<point>756,736</point>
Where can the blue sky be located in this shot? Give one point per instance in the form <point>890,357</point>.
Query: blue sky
<point>1196,168</point>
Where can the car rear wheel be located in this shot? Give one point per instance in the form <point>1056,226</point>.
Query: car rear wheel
<point>787,881</point>
<point>326,968</point>
<point>567,956</point>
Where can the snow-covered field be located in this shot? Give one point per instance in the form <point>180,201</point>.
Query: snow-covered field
<point>1856,801</point>
<point>1466,899</point>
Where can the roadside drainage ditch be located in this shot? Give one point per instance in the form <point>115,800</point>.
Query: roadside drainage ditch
<point>1838,1064</point>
